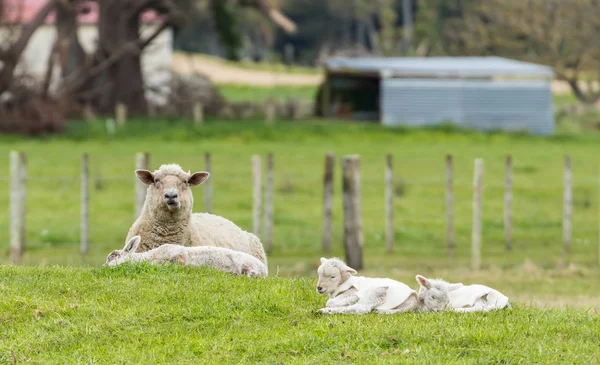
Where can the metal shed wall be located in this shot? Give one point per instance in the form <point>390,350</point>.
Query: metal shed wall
<point>480,104</point>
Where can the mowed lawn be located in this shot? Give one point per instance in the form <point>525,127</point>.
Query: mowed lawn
<point>53,197</point>
<point>176,315</point>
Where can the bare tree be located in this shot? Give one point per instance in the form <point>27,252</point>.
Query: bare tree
<point>558,33</point>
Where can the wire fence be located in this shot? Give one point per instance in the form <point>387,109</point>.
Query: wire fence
<point>547,217</point>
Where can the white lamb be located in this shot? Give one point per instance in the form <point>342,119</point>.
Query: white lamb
<point>349,294</point>
<point>167,216</point>
<point>462,298</point>
<point>223,259</point>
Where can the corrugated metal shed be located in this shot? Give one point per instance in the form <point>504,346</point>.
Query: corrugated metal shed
<point>451,67</point>
<point>486,93</point>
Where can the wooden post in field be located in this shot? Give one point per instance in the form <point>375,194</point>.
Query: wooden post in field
<point>389,205</point>
<point>568,205</point>
<point>449,207</point>
<point>18,188</point>
<point>208,184</point>
<point>85,200</point>
<point>328,201</point>
<point>477,198</point>
<point>121,114</point>
<point>142,162</point>
<point>508,197</point>
<point>270,111</point>
<point>257,199</point>
<point>198,113</point>
<point>353,235</point>
<point>268,239</point>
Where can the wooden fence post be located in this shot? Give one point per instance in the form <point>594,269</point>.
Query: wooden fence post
<point>389,204</point>
<point>568,205</point>
<point>142,162</point>
<point>85,199</point>
<point>257,199</point>
<point>328,201</point>
<point>198,113</point>
<point>121,114</point>
<point>18,173</point>
<point>208,193</point>
<point>508,197</point>
<point>449,206</point>
<point>477,198</point>
<point>268,240</point>
<point>270,111</point>
<point>353,235</point>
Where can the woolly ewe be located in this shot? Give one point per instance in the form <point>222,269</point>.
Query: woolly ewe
<point>167,216</point>
<point>352,294</point>
<point>223,259</point>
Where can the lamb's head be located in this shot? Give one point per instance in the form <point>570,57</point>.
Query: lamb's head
<point>169,187</point>
<point>433,293</point>
<point>332,273</point>
<point>117,257</point>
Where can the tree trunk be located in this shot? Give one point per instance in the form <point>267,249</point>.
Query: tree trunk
<point>119,25</point>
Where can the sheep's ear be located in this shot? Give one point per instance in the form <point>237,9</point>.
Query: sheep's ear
<point>132,245</point>
<point>323,260</point>
<point>198,178</point>
<point>350,270</point>
<point>423,281</point>
<point>145,176</point>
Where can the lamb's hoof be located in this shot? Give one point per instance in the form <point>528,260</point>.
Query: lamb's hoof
<point>324,311</point>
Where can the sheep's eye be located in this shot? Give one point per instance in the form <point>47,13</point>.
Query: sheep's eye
<point>333,277</point>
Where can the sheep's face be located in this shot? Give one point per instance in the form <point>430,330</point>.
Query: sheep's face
<point>117,257</point>
<point>332,273</point>
<point>434,293</point>
<point>169,187</point>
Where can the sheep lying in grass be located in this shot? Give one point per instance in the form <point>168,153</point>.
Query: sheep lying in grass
<point>223,259</point>
<point>462,298</point>
<point>350,294</point>
<point>167,216</point>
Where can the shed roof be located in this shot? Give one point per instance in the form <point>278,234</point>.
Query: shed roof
<point>456,67</point>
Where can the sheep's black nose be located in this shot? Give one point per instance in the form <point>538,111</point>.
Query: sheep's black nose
<point>171,195</point>
<point>319,288</point>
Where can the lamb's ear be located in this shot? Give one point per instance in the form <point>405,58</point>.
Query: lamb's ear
<point>454,286</point>
<point>198,178</point>
<point>145,176</point>
<point>132,245</point>
<point>349,270</point>
<point>423,281</point>
<point>323,260</point>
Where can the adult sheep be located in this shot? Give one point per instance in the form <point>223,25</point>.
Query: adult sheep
<point>167,216</point>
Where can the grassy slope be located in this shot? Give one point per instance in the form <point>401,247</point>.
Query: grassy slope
<point>188,316</point>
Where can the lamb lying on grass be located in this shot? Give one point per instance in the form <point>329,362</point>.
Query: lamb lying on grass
<point>349,294</point>
<point>221,258</point>
<point>462,298</point>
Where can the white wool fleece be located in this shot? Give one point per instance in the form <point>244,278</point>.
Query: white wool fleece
<point>167,216</point>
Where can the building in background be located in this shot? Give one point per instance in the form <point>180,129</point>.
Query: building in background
<point>485,93</point>
<point>156,58</point>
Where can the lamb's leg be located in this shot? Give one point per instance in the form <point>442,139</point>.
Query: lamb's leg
<point>480,306</point>
<point>372,299</point>
<point>411,304</point>
<point>344,299</point>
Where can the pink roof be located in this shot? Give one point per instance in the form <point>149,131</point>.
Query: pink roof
<point>23,11</point>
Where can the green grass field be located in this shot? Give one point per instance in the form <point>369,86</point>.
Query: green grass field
<point>53,197</point>
<point>150,315</point>
<point>62,309</point>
